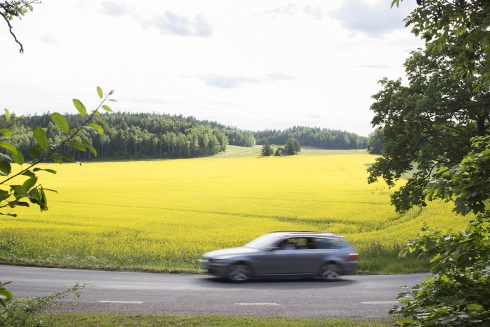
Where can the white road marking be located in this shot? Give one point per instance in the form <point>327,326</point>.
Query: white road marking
<point>258,303</point>
<point>122,302</point>
<point>380,302</point>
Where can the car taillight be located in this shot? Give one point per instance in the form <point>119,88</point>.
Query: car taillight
<point>353,257</point>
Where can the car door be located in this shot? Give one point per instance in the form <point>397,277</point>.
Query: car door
<point>290,257</point>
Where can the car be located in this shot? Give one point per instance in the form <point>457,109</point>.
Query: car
<point>284,254</point>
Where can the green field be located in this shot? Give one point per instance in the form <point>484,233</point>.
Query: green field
<point>163,214</point>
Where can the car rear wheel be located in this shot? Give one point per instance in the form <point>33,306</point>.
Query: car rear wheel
<point>239,273</point>
<point>330,272</point>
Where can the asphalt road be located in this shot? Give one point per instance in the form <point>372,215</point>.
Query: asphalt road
<point>363,296</point>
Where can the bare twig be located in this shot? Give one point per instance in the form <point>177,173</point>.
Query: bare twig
<point>21,50</point>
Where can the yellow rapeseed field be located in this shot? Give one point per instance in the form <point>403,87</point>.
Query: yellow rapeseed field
<point>164,214</point>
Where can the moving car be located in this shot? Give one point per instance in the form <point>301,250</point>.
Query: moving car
<point>284,254</point>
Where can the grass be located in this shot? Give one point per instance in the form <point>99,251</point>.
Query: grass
<point>162,215</point>
<point>107,320</point>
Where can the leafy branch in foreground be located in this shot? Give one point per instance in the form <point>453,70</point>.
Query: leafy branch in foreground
<point>13,194</point>
<point>22,312</point>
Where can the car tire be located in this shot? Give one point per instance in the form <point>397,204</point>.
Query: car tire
<point>329,272</point>
<point>239,273</point>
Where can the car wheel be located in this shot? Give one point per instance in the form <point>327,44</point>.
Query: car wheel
<point>330,272</point>
<point>239,273</point>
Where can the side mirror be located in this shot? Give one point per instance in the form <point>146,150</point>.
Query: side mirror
<point>273,248</point>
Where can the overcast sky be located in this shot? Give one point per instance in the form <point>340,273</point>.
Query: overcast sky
<point>250,64</point>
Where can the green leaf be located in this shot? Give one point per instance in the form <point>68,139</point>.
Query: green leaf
<point>8,214</point>
<point>106,108</point>
<point>7,115</point>
<point>77,145</point>
<point>5,167</point>
<point>7,132</point>
<point>41,137</point>
<point>99,92</point>
<point>60,121</point>
<point>106,126</point>
<point>5,295</point>
<point>19,191</point>
<point>51,171</point>
<point>90,147</point>
<point>29,173</point>
<point>474,307</point>
<point>97,127</point>
<point>80,107</point>
<point>29,183</point>
<point>4,195</point>
<point>18,203</point>
<point>17,156</point>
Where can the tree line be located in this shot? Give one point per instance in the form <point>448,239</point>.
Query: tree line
<point>313,136</point>
<point>134,135</point>
<point>140,135</point>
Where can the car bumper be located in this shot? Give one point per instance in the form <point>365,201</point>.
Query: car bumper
<point>214,268</point>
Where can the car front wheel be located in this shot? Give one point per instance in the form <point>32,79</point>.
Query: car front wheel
<point>239,273</point>
<point>330,272</point>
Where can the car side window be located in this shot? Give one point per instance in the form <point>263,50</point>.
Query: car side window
<point>325,243</point>
<point>293,243</point>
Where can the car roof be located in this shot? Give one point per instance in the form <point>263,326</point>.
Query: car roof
<point>303,234</point>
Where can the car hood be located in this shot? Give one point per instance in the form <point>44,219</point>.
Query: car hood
<point>229,252</point>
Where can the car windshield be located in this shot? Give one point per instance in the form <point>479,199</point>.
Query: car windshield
<point>262,242</point>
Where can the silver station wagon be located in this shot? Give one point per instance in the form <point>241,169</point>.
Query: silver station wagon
<point>284,254</point>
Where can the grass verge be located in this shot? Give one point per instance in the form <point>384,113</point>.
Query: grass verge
<point>108,320</point>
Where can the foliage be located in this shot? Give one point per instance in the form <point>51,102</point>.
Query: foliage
<point>20,187</point>
<point>166,213</point>
<point>5,294</point>
<point>15,192</point>
<point>239,137</point>
<point>447,107</point>
<point>266,150</point>
<point>292,147</point>
<point>24,312</point>
<point>314,137</point>
<point>426,125</point>
<point>458,31</point>
<point>458,292</point>
<point>375,141</point>
<point>468,183</point>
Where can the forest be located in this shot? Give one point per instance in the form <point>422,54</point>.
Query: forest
<point>150,135</point>
<point>314,137</point>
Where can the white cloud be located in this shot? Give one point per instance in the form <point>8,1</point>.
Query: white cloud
<point>231,82</point>
<point>171,23</point>
<point>374,19</point>
<point>113,8</point>
<point>49,38</point>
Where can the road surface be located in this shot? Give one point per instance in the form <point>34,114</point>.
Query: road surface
<point>363,296</point>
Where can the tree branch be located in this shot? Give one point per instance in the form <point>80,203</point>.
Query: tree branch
<point>21,50</point>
